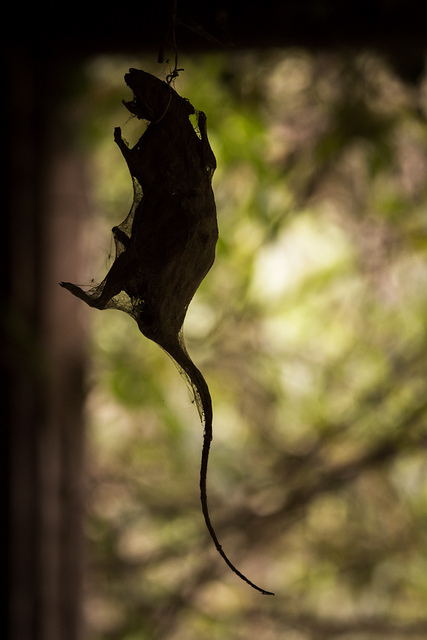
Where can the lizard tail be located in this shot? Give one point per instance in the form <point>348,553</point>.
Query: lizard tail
<point>179,354</point>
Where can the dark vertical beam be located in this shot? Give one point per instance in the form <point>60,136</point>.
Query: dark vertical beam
<point>43,358</point>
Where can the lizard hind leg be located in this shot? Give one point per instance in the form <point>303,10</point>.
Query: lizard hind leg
<point>87,297</point>
<point>100,296</point>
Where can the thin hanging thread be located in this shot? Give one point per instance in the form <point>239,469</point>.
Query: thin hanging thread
<point>172,34</point>
<point>175,73</point>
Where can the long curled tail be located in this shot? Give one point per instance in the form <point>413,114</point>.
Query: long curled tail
<point>204,404</point>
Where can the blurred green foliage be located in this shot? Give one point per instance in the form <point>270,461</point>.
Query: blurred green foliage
<point>311,330</point>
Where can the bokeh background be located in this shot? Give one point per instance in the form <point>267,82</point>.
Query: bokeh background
<point>311,330</point>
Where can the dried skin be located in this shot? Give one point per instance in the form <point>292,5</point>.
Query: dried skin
<point>166,245</point>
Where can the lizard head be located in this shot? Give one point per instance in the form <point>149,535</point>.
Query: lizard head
<point>153,97</point>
